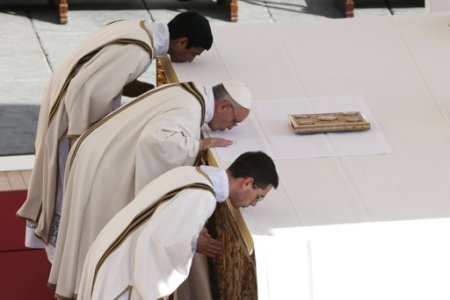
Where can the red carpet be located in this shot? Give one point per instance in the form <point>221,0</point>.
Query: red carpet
<point>23,272</point>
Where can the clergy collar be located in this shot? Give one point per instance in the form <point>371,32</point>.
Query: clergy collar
<point>209,99</point>
<point>219,180</point>
<point>161,38</point>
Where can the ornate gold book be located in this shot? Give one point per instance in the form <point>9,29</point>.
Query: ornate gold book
<point>329,122</point>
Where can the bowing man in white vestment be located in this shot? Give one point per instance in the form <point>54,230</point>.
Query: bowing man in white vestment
<point>146,250</point>
<point>116,157</point>
<point>87,85</point>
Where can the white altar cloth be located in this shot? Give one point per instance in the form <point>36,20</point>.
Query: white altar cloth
<point>371,261</point>
<point>400,65</point>
<point>268,130</point>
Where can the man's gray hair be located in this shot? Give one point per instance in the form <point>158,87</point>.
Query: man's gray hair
<point>220,92</point>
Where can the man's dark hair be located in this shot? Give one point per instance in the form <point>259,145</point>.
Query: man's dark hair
<point>257,165</point>
<point>194,27</point>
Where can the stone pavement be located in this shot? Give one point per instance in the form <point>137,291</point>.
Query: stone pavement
<point>32,42</point>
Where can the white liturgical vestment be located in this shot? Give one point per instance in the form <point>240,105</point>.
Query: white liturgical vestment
<point>146,250</point>
<point>114,159</point>
<point>81,91</point>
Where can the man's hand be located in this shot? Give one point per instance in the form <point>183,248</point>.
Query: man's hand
<point>207,245</point>
<point>214,142</point>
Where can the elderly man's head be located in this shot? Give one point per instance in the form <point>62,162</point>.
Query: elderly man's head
<point>232,105</point>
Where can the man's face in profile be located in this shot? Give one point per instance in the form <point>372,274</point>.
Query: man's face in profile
<point>181,53</point>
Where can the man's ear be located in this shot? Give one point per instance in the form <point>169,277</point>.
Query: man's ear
<point>247,182</point>
<point>182,42</point>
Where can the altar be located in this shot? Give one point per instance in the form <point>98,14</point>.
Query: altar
<point>360,220</point>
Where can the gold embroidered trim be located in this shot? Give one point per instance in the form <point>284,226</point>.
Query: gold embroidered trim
<point>128,288</point>
<point>168,69</point>
<point>150,37</point>
<point>190,87</point>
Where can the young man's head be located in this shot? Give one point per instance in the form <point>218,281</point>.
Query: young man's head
<point>190,34</point>
<point>232,103</point>
<point>251,176</point>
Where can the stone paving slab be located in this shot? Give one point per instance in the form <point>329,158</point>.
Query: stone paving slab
<point>24,70</point>
<point>32,42</point>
